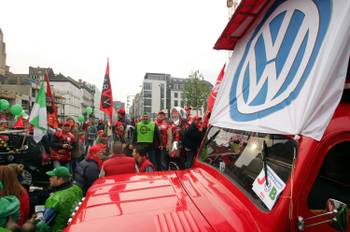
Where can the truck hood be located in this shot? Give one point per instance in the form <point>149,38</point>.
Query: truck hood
<point>163,201</point>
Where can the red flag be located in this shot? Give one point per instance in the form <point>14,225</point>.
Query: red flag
<point>214,91</point>
<point>52,117</point>
<point>19,123</point>
<point>106,104</point>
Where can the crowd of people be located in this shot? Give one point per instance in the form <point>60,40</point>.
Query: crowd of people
<point>82,153</point>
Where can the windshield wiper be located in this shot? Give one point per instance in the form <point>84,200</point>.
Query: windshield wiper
<point>212,137</point>
<point>264,156</point>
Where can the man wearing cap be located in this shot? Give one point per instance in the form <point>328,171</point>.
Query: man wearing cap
<point>147,134</point>
<point>88,169</point>
<point>122,117</point>
<point>63,199</point>
<point>9,208</point>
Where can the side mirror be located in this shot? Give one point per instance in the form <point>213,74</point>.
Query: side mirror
<point>340,219</point>
<point>336,216</point>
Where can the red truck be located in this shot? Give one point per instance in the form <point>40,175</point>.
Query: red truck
<point>240,180</point>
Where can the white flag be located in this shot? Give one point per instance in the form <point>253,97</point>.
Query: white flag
<point>38,116</point>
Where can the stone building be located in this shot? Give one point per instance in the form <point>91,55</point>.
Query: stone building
<point>4,69</point>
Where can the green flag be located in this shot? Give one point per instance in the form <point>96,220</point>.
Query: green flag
<point>38,116</point>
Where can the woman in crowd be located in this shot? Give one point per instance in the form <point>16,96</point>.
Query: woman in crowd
<point>11,186</point>
<point>121,135</point>
<point>76,151</point>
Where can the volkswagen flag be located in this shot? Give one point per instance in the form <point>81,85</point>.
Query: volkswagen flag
<point>287,73</point>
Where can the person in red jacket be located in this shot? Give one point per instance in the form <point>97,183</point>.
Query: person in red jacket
<point>119,163</point>
<point>8,177</point>
<point>140,155</point>
<point>62,144</point>
<point>162,155</point>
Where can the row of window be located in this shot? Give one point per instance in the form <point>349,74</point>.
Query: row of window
<point>148,86</point>
<point>176,103</point>
<point>176,95</point>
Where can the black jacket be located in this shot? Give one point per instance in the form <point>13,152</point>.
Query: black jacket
<point>86,173</point>
<point>192,138</point>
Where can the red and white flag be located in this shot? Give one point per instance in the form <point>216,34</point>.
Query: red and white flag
<point>214,91</point>
<point>52,117</point>
<point>106,104</point>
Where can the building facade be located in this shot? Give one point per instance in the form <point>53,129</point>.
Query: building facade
<point>160,92</point>
<point>70,90</point>
<point>87,93</point>
<point>155,93</point>
<point>97,99</point>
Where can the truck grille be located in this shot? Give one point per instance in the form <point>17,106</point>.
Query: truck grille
<point>180,221</point>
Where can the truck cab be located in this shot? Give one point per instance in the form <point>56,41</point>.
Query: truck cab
<point>244,178</point>
<point>216,193</point>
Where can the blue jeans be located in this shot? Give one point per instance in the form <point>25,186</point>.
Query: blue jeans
<point>163,157</point>
<point>189,158</point>
<point>152,155</point>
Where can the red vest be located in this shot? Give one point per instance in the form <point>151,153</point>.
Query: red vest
<point>119,164</point>
<point>63,154</point>
<point>144,164</point>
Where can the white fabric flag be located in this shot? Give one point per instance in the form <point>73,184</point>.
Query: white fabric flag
<point>38,116</point>
<point>287,73</point>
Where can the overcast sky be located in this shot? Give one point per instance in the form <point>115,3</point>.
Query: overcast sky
<point>75,37</point>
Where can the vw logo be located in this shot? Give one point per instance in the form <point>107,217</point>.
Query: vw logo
<point>278,57</point>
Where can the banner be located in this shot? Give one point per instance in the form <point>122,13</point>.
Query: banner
<point>106,104</point>
<point>214,91</point>
<point>287,73</point>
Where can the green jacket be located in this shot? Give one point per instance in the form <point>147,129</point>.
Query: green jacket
<point>145,132</point>
<point>9,206</point>
<point>63,202</point>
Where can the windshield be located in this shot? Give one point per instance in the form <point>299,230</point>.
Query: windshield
<point>242,156</point>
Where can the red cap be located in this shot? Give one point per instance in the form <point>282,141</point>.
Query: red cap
<point>118,124</point>
<point>161,112</point>
<point>100,133</point>
<point>96,148</point>
<point>121,111</point>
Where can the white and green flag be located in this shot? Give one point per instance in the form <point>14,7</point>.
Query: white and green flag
<point>38,116</point>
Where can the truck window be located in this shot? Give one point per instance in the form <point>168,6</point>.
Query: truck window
<point>333,179</point>
<point>238,155</point>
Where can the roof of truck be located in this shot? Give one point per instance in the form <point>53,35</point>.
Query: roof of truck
<point>243,18</point>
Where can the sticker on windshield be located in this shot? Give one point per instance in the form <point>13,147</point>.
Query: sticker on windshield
<point>268,193</point>
<point>222,166</point>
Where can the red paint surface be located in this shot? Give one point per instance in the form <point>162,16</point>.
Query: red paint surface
<point>202,199</point>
